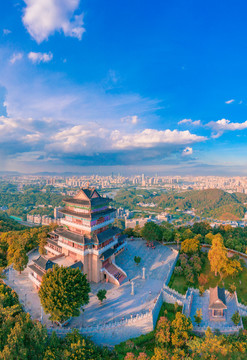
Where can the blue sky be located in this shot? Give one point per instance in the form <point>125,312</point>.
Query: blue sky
<point>126,86</point>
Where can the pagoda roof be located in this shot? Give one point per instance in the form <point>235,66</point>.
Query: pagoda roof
<point>88,215</point>
<point>43,263</point>
<point>217,299</point>
<point>36,269</point>
<point>89,202</point>
<point>88,196</point>
<point>80,239</point>
<point>108,253</point>
<point>53,242</point>
<point>106,235</point>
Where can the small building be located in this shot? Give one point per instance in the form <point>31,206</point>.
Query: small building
<point>217,304</point>
<point>42,264</point>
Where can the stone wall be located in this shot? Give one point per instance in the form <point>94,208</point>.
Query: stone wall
<point>115,332</point>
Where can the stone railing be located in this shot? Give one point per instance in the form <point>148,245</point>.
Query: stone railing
<point>174,292</point>
<point>111,325</point>
<point>168,278</point>
<point>226,330</point>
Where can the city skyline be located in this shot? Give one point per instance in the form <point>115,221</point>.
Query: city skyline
<point>130,88</point>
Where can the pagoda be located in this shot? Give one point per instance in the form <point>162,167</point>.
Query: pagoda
<point>88,237</point>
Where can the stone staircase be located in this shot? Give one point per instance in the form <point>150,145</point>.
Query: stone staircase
<point>116,273</point>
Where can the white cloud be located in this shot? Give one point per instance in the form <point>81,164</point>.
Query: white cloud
<point>225,125</point>
<point>189,121</point>
<point>38,57</point>
<point>229,101</point>
<point>130,119</point>
<point>81,138</point>
<point>43,18</point>
<point>91,138</point>
<point>6,31</point>
<point>149,138</point>
<point>15,57</point>
<point>187,151</point>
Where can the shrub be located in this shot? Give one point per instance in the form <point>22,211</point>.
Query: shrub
<point>178,270</point>
<point>202,279</point>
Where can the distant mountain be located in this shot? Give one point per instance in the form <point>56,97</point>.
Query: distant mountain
<point>213,203</point>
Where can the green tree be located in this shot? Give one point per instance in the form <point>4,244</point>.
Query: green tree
<point>151,232</point>
<point>190,246</point>
<point>42,237</point>
<point>198,316</point>
<point>63,292</point>
<point>163,331</point>
<point>217,255</point>
<point>20,260</point>
<point>236,318</point>
<point>26,340</point>
<point>201,290</point>
<point>181,327</point>
<point>137,260</point>
<point>101,295</point>
<point>177,238</point>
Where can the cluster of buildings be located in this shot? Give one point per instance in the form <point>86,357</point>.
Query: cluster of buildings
<point>141,221</point>
<point>38,219</point>
<point>86,239</point>
<point>182,183</point>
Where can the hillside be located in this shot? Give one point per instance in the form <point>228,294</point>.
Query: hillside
<point>207,203</point>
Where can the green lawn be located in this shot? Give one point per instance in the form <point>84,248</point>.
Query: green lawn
<point>179,282</point>
<point>145,343</point>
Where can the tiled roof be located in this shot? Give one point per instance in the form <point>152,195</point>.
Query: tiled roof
<point>217,299</point>
<point>89,215</point>
<point>90,202</point>
<point>53,242</point>
<point>108,253</point>
<point>107,234</point>
<point>80,239</point>
<point>78,264</point>
<point>36,269</point>
<point>44,263</point>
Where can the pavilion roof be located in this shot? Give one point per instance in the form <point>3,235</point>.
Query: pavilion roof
<point>217,299</point>
<point>43,263</point>
<point>88,196</point>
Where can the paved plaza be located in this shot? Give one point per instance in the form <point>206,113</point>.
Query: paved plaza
<point>119,303</point>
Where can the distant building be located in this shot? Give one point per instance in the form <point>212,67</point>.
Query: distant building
<point>131,223</point>
<point>57,214</point>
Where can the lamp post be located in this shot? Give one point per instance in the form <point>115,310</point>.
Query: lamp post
<point>143,273</point>
<point>132,288</point>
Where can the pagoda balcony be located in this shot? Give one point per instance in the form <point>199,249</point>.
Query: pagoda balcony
<point>89,215</point>
<point>72,248</point>
<point>85,227</point>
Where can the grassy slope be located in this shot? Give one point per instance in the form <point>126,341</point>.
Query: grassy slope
<point>179,282</point>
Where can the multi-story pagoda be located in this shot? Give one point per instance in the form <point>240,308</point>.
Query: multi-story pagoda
<point>87,236</point>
